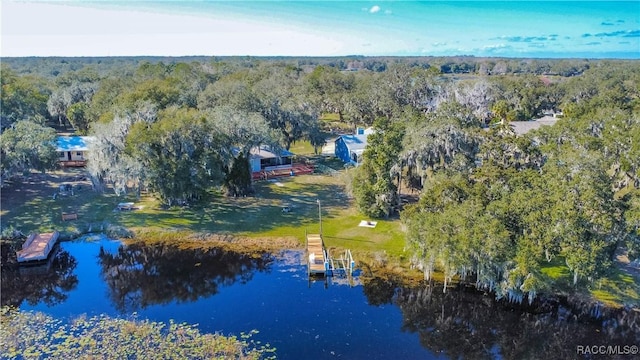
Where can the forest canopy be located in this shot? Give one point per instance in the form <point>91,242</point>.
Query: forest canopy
<point>493,205</point>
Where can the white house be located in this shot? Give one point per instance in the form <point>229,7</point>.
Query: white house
<point>263,158</point>
<point>72,150</point>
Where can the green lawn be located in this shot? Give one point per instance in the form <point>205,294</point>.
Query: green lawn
<point>332,121</point>
<point>262,215</point>
<point>302,147</point>
<point>617,289</point>
<point>41,212</point>
<point>257,216</point>
<point>330,117</point>
<point>556,270</point>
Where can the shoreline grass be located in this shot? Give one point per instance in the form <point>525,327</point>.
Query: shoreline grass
<point>248,220</point>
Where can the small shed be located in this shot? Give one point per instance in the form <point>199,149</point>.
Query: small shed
<point>72,150</point>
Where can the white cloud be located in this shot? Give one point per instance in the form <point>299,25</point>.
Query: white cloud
<point>497,49</point>
<point>144,33</point>
<point>374,9</point>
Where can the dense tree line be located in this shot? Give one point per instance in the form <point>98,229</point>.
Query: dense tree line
<point>52,67</point>
<point>494,207</point>
<point>567,192</point>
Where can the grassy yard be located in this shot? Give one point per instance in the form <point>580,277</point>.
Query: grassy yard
<point>617,289</point>
<point>258,216</point>
<point>302,147</point>
<point>332,121</point>
<point>29,205</point>
<point>263,216</point>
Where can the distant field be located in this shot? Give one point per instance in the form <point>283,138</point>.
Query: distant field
<point>302,147</point>
<point>330,117</point>
<point>331,123</point>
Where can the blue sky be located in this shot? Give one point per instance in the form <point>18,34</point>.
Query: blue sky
<point>596,29</point>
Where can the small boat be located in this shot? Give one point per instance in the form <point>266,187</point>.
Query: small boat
<point>37,247</point>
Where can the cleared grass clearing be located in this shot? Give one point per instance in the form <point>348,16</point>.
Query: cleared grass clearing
<point>263,216</point>
<point>302,147</point>
<point>556,270</point>
<point>616,290</point>
<point>330,117</point>
<point>30,206</point>
<point>260,216</point>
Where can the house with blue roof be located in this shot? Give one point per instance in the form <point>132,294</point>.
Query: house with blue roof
<point>349,148</point>
<point>72,150</point>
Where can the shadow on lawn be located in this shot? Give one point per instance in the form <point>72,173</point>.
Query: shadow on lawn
<point>347,239</point>
<point>28,203</point>
<point>260,213</point>
<point>33,208</point>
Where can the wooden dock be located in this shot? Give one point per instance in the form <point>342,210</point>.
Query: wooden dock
<point>37,247</point>
<point>317,260</point>
<point>321,263</point>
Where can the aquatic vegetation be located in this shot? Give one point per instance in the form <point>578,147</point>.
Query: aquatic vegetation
<point>32,335</point>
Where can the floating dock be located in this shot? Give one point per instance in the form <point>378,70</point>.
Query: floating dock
<point>37,247</point>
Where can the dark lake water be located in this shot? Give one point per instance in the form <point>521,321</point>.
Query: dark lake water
<point>343,318</point>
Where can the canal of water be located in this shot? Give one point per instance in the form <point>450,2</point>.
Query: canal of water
<point>232,293</point>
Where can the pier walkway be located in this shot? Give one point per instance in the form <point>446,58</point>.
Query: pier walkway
<point>317,259</point>
<point>320,262</point>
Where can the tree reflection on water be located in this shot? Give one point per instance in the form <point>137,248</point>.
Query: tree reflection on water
<point>464,323</point>
<point>49,283</point>
<point>139,276</point>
